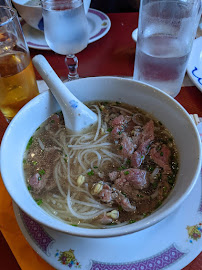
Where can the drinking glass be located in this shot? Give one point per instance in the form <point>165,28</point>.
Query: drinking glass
<point>166,30</point>
<point>17,78</point>
<point>66,30</point>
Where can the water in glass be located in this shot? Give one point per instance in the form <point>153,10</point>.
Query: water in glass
<point>66,31</point>
<point>165,35</point>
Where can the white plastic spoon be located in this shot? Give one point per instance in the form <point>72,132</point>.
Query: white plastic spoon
<point>77,116</point>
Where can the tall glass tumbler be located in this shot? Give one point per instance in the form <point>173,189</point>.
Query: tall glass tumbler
<point>166,30</point>
<point>17,78</point>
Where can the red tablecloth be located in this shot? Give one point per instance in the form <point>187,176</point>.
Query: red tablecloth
<point>113,54</point>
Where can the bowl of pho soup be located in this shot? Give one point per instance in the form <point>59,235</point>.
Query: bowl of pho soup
<point>129,171</point>
<point>31,11</point>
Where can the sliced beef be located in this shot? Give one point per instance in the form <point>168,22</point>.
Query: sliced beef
<point>112,195</point>
<point>42,179</point>
<point>36,184</point>
<point>119,124</point>
<point>160,154</point>
<point>118,121</point>
<point>147,136</point>
<point>125,203</point>
<point>127,146</point>
<point>148,132</point>
<point>131,179</point>
<point>137,178</point>
<point>113,175</point>
<point>105,194</point>
<point>116,132</point>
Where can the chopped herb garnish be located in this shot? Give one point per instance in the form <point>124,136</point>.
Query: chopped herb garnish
<point>131,221</point>
<point>42,172</point>
<point>120,208</point>
<point>144,214</point>
<point>29,187</point>
<point>140,196</point>
<point>126,172</point>
<point>161,154</point>
<point>24,161</point>
<point>119,132</point>
<point>155,184</point>
<point>160,176</point>
<point>38,128</point>
<point>121,147</point>
<point>29,143</point>
<point>75,225</point>
<point>148,146</point>
<point>91,172</point>
<point>142,157</point>
<point>118,103</point>
<point>123,193</point>
<point>39,201</point>
<point>34,162</point>
<point>170,139</point>
<point>171,179</point>
<point>65,160</point>
<point>160,123</point>
<point>109,129</point>
<point>128,161</point>
<point>95,167</point>
<point>121,168</point>
<point>112,223</point>
<point>52,121</point>
<point>151,168</point>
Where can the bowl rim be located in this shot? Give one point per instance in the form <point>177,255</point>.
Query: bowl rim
<point>122,230</point>
<point>23,5</point>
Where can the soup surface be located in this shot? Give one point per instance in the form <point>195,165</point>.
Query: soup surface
<point>116,173</point>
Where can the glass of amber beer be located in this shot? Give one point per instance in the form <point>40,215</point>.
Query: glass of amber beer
<point>17,78</point>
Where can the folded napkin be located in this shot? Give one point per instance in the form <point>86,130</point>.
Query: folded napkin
<point>26,257</point>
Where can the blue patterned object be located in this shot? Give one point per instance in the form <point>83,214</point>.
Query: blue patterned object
<point>157,262</point>
<point>73,104</point>
<point>199,78</point>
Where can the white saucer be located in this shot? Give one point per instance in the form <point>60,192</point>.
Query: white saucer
<point>171,244</point>
<point>198,34</point>
<point>194,66</point>
<point>99,25</point>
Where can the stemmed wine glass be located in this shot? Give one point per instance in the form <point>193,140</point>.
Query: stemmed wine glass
<point>66,30</point>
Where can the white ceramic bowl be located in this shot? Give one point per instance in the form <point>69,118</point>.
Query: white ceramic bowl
<point>163,107</point>
<point>33,14</point>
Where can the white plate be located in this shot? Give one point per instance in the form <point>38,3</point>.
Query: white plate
<point>194,66</point>
<point>171,244</point>
<point>99,25</point>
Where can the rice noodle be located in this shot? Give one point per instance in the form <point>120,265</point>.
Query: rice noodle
<point>99,122</point>
<point>122,109</point>
<point>40,143</point>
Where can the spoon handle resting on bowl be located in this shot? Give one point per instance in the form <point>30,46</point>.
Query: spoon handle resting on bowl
<point>77,116</point>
